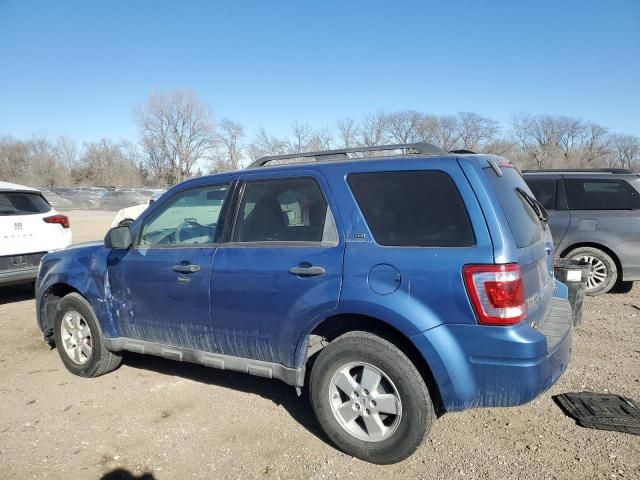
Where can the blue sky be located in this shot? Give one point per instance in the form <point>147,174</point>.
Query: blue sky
<point>78,67</point>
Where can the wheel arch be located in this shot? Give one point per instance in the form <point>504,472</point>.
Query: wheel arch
<point>49,304</point>
<point>339,324</point>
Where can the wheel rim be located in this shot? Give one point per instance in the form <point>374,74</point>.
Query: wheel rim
<point>365,401</point>
<point>76,337</point>
<point>598,273</point>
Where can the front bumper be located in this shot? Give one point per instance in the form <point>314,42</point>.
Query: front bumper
<point>486,366</point>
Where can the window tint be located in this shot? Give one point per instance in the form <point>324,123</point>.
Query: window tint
<point>290,210</point>
<point>413,208</point>
<point>522,219</point>
<point>544,189</point>
<point>189,218</point>
<point>601,194</point>
<point>19,203</point>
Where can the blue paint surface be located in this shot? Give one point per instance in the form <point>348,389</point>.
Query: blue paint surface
<point>244,302</point>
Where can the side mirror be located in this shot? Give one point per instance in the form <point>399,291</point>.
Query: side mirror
<point>118,237</point>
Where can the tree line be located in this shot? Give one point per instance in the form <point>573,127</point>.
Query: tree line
<point>178,139</point>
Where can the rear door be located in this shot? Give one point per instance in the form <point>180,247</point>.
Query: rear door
<point>532,244</point>
<point>549,191</point>
<point>280,269</point>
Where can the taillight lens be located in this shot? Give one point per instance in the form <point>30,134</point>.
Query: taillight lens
<point>496,293</point>
<point>59,219</point>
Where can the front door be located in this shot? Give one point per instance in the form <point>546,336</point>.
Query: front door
<point>281,269</point>
<point>160,286</point>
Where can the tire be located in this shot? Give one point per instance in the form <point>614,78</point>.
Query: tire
<point>402,432</point>
<point>80,325</point>
<point>622,287</point>
<point>602,264</point>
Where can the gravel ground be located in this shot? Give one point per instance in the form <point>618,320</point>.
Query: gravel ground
<point>177,421</point>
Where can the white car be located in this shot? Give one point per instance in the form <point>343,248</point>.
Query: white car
<point>29,228</point>
<point>129,214</point>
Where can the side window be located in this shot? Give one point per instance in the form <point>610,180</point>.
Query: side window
<point>189,218</point>
<point>544,189</point>
<point>601,194</point>
<point>289,210</point>
<point>413,208</point>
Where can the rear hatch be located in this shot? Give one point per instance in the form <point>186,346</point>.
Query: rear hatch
<point>22,228</point>
<point>532,244</point>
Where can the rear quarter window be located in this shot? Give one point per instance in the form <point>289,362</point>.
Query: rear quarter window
<point>22,203</point>
<point>601,194</point>
<point>523,221</point>
<point>413,208</point>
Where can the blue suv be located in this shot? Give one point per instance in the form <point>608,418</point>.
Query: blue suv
<point>395,287</point>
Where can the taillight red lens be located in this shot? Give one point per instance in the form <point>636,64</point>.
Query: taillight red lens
<point>496,293</point>
<point>59,219</point>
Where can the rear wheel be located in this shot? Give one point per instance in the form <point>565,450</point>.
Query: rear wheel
<point>604,272</point>
<point>78,339</point>
<point>370,399</point>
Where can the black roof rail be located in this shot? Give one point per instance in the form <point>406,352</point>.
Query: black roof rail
<point>579,170</point>
<point>462,151</point>
<point>342,154</point>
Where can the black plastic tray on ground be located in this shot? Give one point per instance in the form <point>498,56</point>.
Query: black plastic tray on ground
<point>602,411</point>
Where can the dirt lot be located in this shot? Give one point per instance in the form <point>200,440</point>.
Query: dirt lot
<point>179,421</point>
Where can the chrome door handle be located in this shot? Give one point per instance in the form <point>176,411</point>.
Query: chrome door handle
<point>190,268</point>
<point>310,271</point>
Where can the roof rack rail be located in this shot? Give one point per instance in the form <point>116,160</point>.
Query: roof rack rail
<point>579,170</point>
<point>462,151</point>
<point>342,154</point>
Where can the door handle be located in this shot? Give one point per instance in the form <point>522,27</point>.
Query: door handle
<point>310,271</point>
<point>190,268</point>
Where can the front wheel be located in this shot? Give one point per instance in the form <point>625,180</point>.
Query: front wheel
<point>78,339</point>
<point>370,399</point>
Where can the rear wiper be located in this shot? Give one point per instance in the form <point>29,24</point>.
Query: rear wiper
<point>537,207</point>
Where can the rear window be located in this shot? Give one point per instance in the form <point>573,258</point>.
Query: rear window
<point>413,208</point>
<point>21,203</point>
<point>544,190</point>
<point>601,194</point>
<point>522,219</point>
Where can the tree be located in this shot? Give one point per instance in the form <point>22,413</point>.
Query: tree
<point>176,131</point>
<point>626,150</point>
<point>476,131</point>
<point>228,154</point>
<point>348,132</point>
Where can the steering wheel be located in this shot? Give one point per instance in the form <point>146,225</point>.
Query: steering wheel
<point>187,222</point>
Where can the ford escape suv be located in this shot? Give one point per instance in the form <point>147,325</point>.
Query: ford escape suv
<point>594,216</point>
<point>395,287</point>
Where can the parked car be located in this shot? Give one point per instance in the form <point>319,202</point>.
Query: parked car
<point>29,228</point>
<point>117,199</point>
<point>80,198</point>
<point>126,216</point>
<point>404,286</point>
<point>55,200</point>
<point>595,217</point>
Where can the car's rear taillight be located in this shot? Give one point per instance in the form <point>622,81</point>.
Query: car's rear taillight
<point>59,219</point>
<point>496,293</point>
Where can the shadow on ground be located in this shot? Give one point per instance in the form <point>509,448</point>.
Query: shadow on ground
<point>275,390</point>
<point>16,293</point>
<point>122,474</point>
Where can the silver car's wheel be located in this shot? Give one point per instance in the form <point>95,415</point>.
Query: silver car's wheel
<point>598,274</point>
<point>76,337</point>
<point>604,271</point>
<point>365,401</point>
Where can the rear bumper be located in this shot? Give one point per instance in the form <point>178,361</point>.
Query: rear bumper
<point>13,277</point>
<point>485,366</point>
<point>629,256</point>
